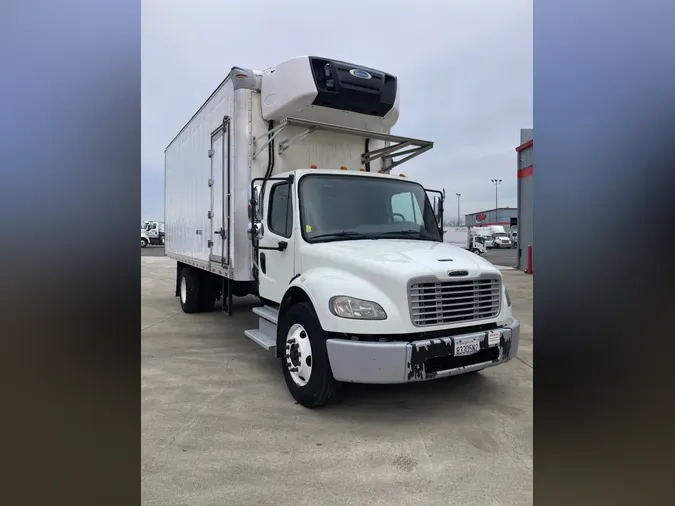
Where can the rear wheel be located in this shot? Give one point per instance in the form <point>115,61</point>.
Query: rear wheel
<point>305,363</point>
<point>189,290</point>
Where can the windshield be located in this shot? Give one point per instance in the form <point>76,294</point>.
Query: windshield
<point>344,207</point>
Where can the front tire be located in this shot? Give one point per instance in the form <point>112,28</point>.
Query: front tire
<point>189,290</point>
<point>305,363</point>
<point>144,242</point>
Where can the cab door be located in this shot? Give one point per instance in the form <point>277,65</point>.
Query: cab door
<point>275,252</point>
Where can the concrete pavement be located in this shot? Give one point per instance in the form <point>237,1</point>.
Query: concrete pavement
<point>219,427</point>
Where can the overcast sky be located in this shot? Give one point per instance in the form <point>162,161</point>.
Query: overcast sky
<point>464,69</point>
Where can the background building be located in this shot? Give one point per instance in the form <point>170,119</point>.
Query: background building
<point>506,216</point>
<point>525,196</point>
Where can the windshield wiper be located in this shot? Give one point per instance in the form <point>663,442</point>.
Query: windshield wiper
<point>406,233</point>
<point>354,235</point>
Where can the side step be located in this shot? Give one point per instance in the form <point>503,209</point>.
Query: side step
<point>268,313</point>
<point>266,333</point>
<point>265,340</point>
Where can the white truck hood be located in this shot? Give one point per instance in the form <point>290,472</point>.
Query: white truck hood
<point>379,270</point>
<point>394,258</point>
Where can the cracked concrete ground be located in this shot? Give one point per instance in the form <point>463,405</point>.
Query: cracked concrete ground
<point>219,427</point>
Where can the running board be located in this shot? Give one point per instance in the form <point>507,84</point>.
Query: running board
<point>266,333</point>
<point>265,340</point>
<point>268,313</point>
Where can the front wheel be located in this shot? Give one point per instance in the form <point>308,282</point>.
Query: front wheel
<point>305,363</point>
<point>144,242</point>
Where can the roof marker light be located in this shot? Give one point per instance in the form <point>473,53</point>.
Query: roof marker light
<point>312,166</point>
<point>343,168</point>
<point>402,175</point>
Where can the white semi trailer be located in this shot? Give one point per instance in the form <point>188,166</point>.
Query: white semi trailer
<point>285,185</point>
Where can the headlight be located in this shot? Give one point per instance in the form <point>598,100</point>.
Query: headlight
<point>356,309</point>
<point>508,298</point>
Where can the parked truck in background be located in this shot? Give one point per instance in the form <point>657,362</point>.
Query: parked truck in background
<point>494,235</point>
<point>152,233</point>
<point>485,234</point>
<point>513,235</point>
<point>285,184</point>
<point>461,237</point>
<point>501,239</point>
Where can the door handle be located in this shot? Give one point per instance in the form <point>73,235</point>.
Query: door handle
<point>220,232</point>
<point>281,246</point>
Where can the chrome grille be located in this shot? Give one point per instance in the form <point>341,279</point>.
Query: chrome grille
<point>438,303</point>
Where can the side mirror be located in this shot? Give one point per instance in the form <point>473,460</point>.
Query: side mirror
<point>438,210</point>
<point>257,230</point>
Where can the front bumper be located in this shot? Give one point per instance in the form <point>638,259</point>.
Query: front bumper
<point>405,362</point>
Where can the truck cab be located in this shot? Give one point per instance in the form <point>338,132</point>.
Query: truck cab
<point>152,233</point>
<point>356,280</point>
<point>502,240</point>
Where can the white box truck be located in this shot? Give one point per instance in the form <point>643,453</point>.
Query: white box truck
<point>282,185</point>
<point>461,237</point>
<point>152,233</point>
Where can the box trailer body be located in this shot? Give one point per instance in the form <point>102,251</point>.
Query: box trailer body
<point>282,185</point>
<point>458,236</point>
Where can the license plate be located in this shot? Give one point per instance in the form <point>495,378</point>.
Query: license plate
<point>466,346</point>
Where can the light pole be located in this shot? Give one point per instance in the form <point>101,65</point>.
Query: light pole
<point>496,182</point>
<point>459,222</point>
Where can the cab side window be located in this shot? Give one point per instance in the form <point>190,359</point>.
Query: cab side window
<point>404,207</point>
<point>280,216</point>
